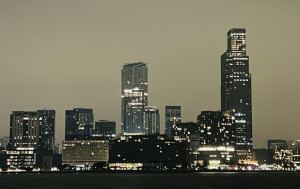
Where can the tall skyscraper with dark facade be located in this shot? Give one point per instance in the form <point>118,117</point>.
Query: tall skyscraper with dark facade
<point>79,124</point>
<point>236,90</point>
<point>172,117</point>
<point>46,129</point>
<point>134,97</point>
<point>151,120</point>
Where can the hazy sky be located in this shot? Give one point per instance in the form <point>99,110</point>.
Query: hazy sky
<point>62,54</point>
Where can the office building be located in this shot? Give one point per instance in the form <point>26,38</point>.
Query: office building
<point>134,97</point>
<point>146,152</point>
<point>85,153</point>
<point>31,139</point>
<point>151,120</point>
<point>21,158</point>
<point>79,124</point>
<point>24,129</point>
<point>188,132</point>
<point>185,131</point>
<point>236,90</point>
<point>216,157</point>
<point>172,117</point>
<point>46,129</point>
<point>104,129</point>
<point>216,128</point>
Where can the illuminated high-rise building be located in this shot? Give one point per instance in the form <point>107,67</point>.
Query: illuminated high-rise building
<point>134,97</point>
<point>151,120</point>
<point>79,124</point>
<point>236,90</point>
<point>172,117</point>
<point>24,129</point>
<point>46,129</point>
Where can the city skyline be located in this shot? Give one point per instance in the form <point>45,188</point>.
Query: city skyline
<point>61,57</point>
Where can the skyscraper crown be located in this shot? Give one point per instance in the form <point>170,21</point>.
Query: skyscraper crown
<point>236,41</point>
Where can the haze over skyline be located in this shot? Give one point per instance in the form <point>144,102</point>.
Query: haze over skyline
<point>65,54</point>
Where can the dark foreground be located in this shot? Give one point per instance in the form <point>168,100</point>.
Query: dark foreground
<point>201,180</point>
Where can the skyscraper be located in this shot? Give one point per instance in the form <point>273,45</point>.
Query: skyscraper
<point>24,129</point>
<point>79,124</point>
<point>104,129</point>
<point>173,116</point>
<point>46,129</point>
<point>134,97</point>
<point>236,90</point>
<point>151,120</point>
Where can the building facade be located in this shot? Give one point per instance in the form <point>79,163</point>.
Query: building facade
<point>236,90</point>
<point>24,129</point>
<point>146,152</point>
<point>215,157</point>
<point>79,124</point>
<point>189,133</point>
<point>104,129</point>
<point>85,153</point>
<point>46,129</point>
<point>151,120</point>
<point>216,128</point>
<point>134,97</point>
<point>172,117</point>
<point>21,158</point>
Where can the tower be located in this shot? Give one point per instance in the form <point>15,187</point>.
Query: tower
<point>47,129</point>
<point>134,97</point>
<point>172,117</point>
<point>236,90</point>
<point>151,120</point>
<point>79,124</point>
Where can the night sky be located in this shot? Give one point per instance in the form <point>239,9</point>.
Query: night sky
<point>63,54</point>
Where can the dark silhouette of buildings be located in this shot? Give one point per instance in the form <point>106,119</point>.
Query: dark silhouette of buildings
<point>236,90</point>
<point>146,152</point>
<point>277,144</point>
<point>134,97</point>
<point>172,117</point>
<point>79,124</point>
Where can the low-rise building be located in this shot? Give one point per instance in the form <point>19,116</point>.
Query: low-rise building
<point>146,152</point>
<point>84,153</point>
<point>21,158</point>
<point>215,157</point>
